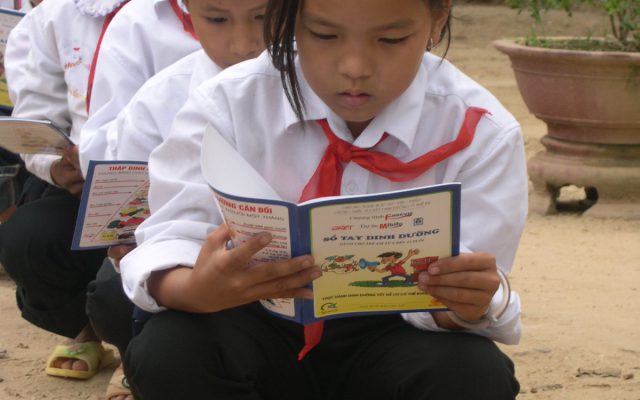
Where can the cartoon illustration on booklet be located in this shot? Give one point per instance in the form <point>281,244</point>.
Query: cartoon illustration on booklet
<point>370,247</point>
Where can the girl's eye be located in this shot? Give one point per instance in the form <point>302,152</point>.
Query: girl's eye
<point>217,20</point>
<point>260,17</point>
<point>322,36</point>
<point>394,41</point>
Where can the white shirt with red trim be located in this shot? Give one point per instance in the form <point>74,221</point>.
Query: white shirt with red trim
<point>47,65</point>
<point>143,38</point>
<point>145,122</point>
<point>247,105</point>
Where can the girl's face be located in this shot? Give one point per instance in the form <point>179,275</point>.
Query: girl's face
<point>230,31</point>
<point>360,55</point>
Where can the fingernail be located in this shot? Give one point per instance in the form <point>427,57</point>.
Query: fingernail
<point>316,274</point>
<point>423,279</point>
<point>434,270</point>
<point>307,263</point>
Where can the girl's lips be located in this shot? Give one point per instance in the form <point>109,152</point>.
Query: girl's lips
<point>354,99</point>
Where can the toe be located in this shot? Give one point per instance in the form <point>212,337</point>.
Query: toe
<point>66,363</point>
<point>79,365</point>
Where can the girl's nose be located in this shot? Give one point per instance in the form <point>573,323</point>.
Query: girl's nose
<point>356,65</point>
<point>245,43</point>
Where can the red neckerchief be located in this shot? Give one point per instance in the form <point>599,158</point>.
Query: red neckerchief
<point>92,71</point>
<point>327,179</point>
<point>185,18</point>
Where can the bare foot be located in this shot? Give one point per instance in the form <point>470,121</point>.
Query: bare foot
<point>128,397</point>
<point>118,386</point>
<point>70,363</point>
<point>86,335</point>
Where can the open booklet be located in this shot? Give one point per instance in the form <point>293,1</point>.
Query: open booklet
<point>370,247</point>
<point>31,136</point>
<point>113,204</point>
<point>8,20</point>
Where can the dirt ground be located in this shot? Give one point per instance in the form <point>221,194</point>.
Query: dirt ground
<point>579,277</point>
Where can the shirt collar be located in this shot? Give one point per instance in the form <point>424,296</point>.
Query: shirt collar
<point>156,3</point>
<point>97,8</point>
<point>400,119</point>
<point>180,4</point>
<point>204,69</point>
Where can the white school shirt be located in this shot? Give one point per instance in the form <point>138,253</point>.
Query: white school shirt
<point>247,105</point>
<point>17,53</point>
<point>143,38</point>
<point>51,83</point>
<point>145,121</point>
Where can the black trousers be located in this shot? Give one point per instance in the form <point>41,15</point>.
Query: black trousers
<point>35,250</point>
<point>109,309</point>
<point>245,353</point>
<point>10,188</point>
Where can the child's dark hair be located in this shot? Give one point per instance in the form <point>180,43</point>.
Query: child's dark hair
<point>279,35</point>
<point>395,254</point>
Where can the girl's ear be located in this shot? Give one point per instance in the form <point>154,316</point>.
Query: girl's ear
<point>186,4</point>
<point>439,18</point>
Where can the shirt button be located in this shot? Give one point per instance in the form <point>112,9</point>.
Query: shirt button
<point>351,188</point>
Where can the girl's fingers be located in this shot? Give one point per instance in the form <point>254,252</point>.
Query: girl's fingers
<point>120,251</point>
<point>457,295</point>
<point>116,253</point>
<point>463,262</point>
<point>480,280</point>
<point>76,188</point>
<point>237,257</point>
<point>300,293</point>
<point>241,254</point>
<point>287,286</point>
<point>216,239</point>
<point>467,311</point>
<point>275,271</point>
<point>71,155</point>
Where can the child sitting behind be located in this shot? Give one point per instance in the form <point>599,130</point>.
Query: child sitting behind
<point>355,74</point>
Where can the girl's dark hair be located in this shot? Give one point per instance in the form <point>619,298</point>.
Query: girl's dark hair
<point>279,36</point>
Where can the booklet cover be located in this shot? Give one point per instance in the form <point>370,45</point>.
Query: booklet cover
<point>370,247</point>
<point>8,20</point>
<point>31,136</point>
<point>113,204</point>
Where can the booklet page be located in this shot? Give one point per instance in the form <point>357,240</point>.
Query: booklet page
<point>114,203</point>
<point>372,251</point>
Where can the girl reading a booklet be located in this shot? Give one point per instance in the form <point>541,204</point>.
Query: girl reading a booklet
<point>345,102</point>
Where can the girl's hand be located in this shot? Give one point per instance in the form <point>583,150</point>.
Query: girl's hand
<point>222,278</point>
<point>465,284</point>
<point>115,253</point>
<point>66,173</point>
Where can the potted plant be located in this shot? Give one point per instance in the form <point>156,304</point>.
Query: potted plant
<point>587,91</point>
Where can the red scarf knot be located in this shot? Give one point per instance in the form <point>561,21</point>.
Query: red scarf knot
<point>327,179</point>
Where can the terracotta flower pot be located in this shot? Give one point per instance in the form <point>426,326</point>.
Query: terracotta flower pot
<point>590,102</point>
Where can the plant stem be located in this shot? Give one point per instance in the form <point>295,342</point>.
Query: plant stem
<point>614,29</point>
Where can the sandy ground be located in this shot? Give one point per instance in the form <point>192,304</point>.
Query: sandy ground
<point>579,278</point>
